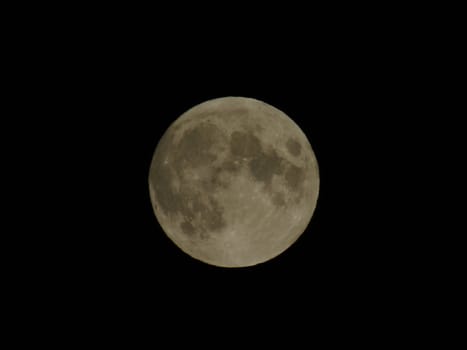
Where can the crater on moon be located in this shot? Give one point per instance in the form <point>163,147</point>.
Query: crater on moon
<point>228,186</point>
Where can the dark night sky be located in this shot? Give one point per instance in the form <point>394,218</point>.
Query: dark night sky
<point>117,94</point>
<point>339,105</point>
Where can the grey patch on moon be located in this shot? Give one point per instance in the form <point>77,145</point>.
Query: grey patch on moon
<point>294,176</point>
<point>222,177</point>
<point>193,151</point>
<point>187,227</point>
<point>278,199</point>
<point>231,166</point>
<point>245,145</point>
<point>194,148</point>
<point>294,147</point>
<point>262,165</point>
<point>258,128</point>
<point>265,166</point>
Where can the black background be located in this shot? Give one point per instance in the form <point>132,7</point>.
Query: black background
<point>107,91</point>
<point>125,107</point>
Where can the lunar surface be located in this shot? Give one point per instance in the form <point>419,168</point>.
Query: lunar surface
<point>234,182</point>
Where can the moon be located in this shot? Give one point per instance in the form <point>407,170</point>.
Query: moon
<point>234,182</point>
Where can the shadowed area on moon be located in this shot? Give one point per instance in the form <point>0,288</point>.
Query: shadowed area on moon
<point>188,199</point>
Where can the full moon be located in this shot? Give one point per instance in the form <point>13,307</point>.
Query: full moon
<point>234,182</point>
